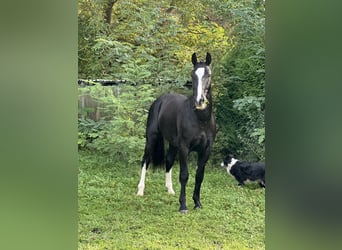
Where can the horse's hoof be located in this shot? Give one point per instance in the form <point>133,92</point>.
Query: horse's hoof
<point>198,207</point>
<point>184,211</point>
<point>171,192</point>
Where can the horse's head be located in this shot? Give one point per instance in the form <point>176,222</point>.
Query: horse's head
<point>201,75</point>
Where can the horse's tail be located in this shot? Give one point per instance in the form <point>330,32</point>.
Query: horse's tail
<point>157,150</point>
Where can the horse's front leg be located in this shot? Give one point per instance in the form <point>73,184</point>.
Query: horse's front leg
<point>201,161</point>
<point>183,178</point>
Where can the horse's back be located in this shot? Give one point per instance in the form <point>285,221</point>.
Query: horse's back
<point>168,99</point>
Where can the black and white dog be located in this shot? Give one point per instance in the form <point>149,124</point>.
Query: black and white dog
<point>245,171</point>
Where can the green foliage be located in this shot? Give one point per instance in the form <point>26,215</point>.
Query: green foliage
<point>88,131</point>
<point>111,216</point>
<point>240,94</point>
<point>121,132</point>
<point>146,41</point>
<point>251,125</point>
<point>90,25</point>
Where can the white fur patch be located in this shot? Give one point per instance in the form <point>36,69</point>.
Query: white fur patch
<point>200,73</point>
<point>229,166</point>
<point>232,163</point>
<point>168,182</point>
<point>141,185</point>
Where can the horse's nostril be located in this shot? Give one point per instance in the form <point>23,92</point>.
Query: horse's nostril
<point>199,102</point>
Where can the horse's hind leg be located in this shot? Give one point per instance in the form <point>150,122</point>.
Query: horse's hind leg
<point>150,142</point>
<point>151,139</point>
<point>144,166</point>
<point>152,152</point>
<point>170,159</point>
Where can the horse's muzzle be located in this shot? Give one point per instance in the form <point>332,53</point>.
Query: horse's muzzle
<point>202,103</point>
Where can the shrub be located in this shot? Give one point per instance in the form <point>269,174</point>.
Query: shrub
<point>121,131</point>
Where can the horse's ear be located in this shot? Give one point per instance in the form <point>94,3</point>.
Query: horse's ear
<point>208,59</point>
<point>194,59</point>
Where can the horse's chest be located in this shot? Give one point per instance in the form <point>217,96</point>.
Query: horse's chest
<point>195,134</point>
<point>199,140</point>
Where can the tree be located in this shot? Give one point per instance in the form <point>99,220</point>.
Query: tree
<point>108,9</point>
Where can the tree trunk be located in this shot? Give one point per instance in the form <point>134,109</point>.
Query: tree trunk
<point>108,8</point>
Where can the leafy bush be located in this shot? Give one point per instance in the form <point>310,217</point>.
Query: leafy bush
<point>121,131</point>
<point>145,40</point>
<point>240,92</point>
<point>88,131</point>
<point>251,125</point>
<point>240,109</point>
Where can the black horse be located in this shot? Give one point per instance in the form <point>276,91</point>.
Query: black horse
<point>188,124</point>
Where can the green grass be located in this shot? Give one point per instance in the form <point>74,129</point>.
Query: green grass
<point>111,216</point>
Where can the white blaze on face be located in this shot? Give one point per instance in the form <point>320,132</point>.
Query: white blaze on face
<point>199,73</point>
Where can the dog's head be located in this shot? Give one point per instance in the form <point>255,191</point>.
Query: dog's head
<point>227,159</point>
<point>228,162</point>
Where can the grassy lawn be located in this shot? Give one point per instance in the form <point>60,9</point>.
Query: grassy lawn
<point>111,216</point>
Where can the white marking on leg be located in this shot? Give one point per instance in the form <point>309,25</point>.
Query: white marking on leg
<point>168,182</point>
<point>141,185</point>
<point>200,73</point>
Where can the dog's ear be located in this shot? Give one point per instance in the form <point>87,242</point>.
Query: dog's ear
<point>231,156</point>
